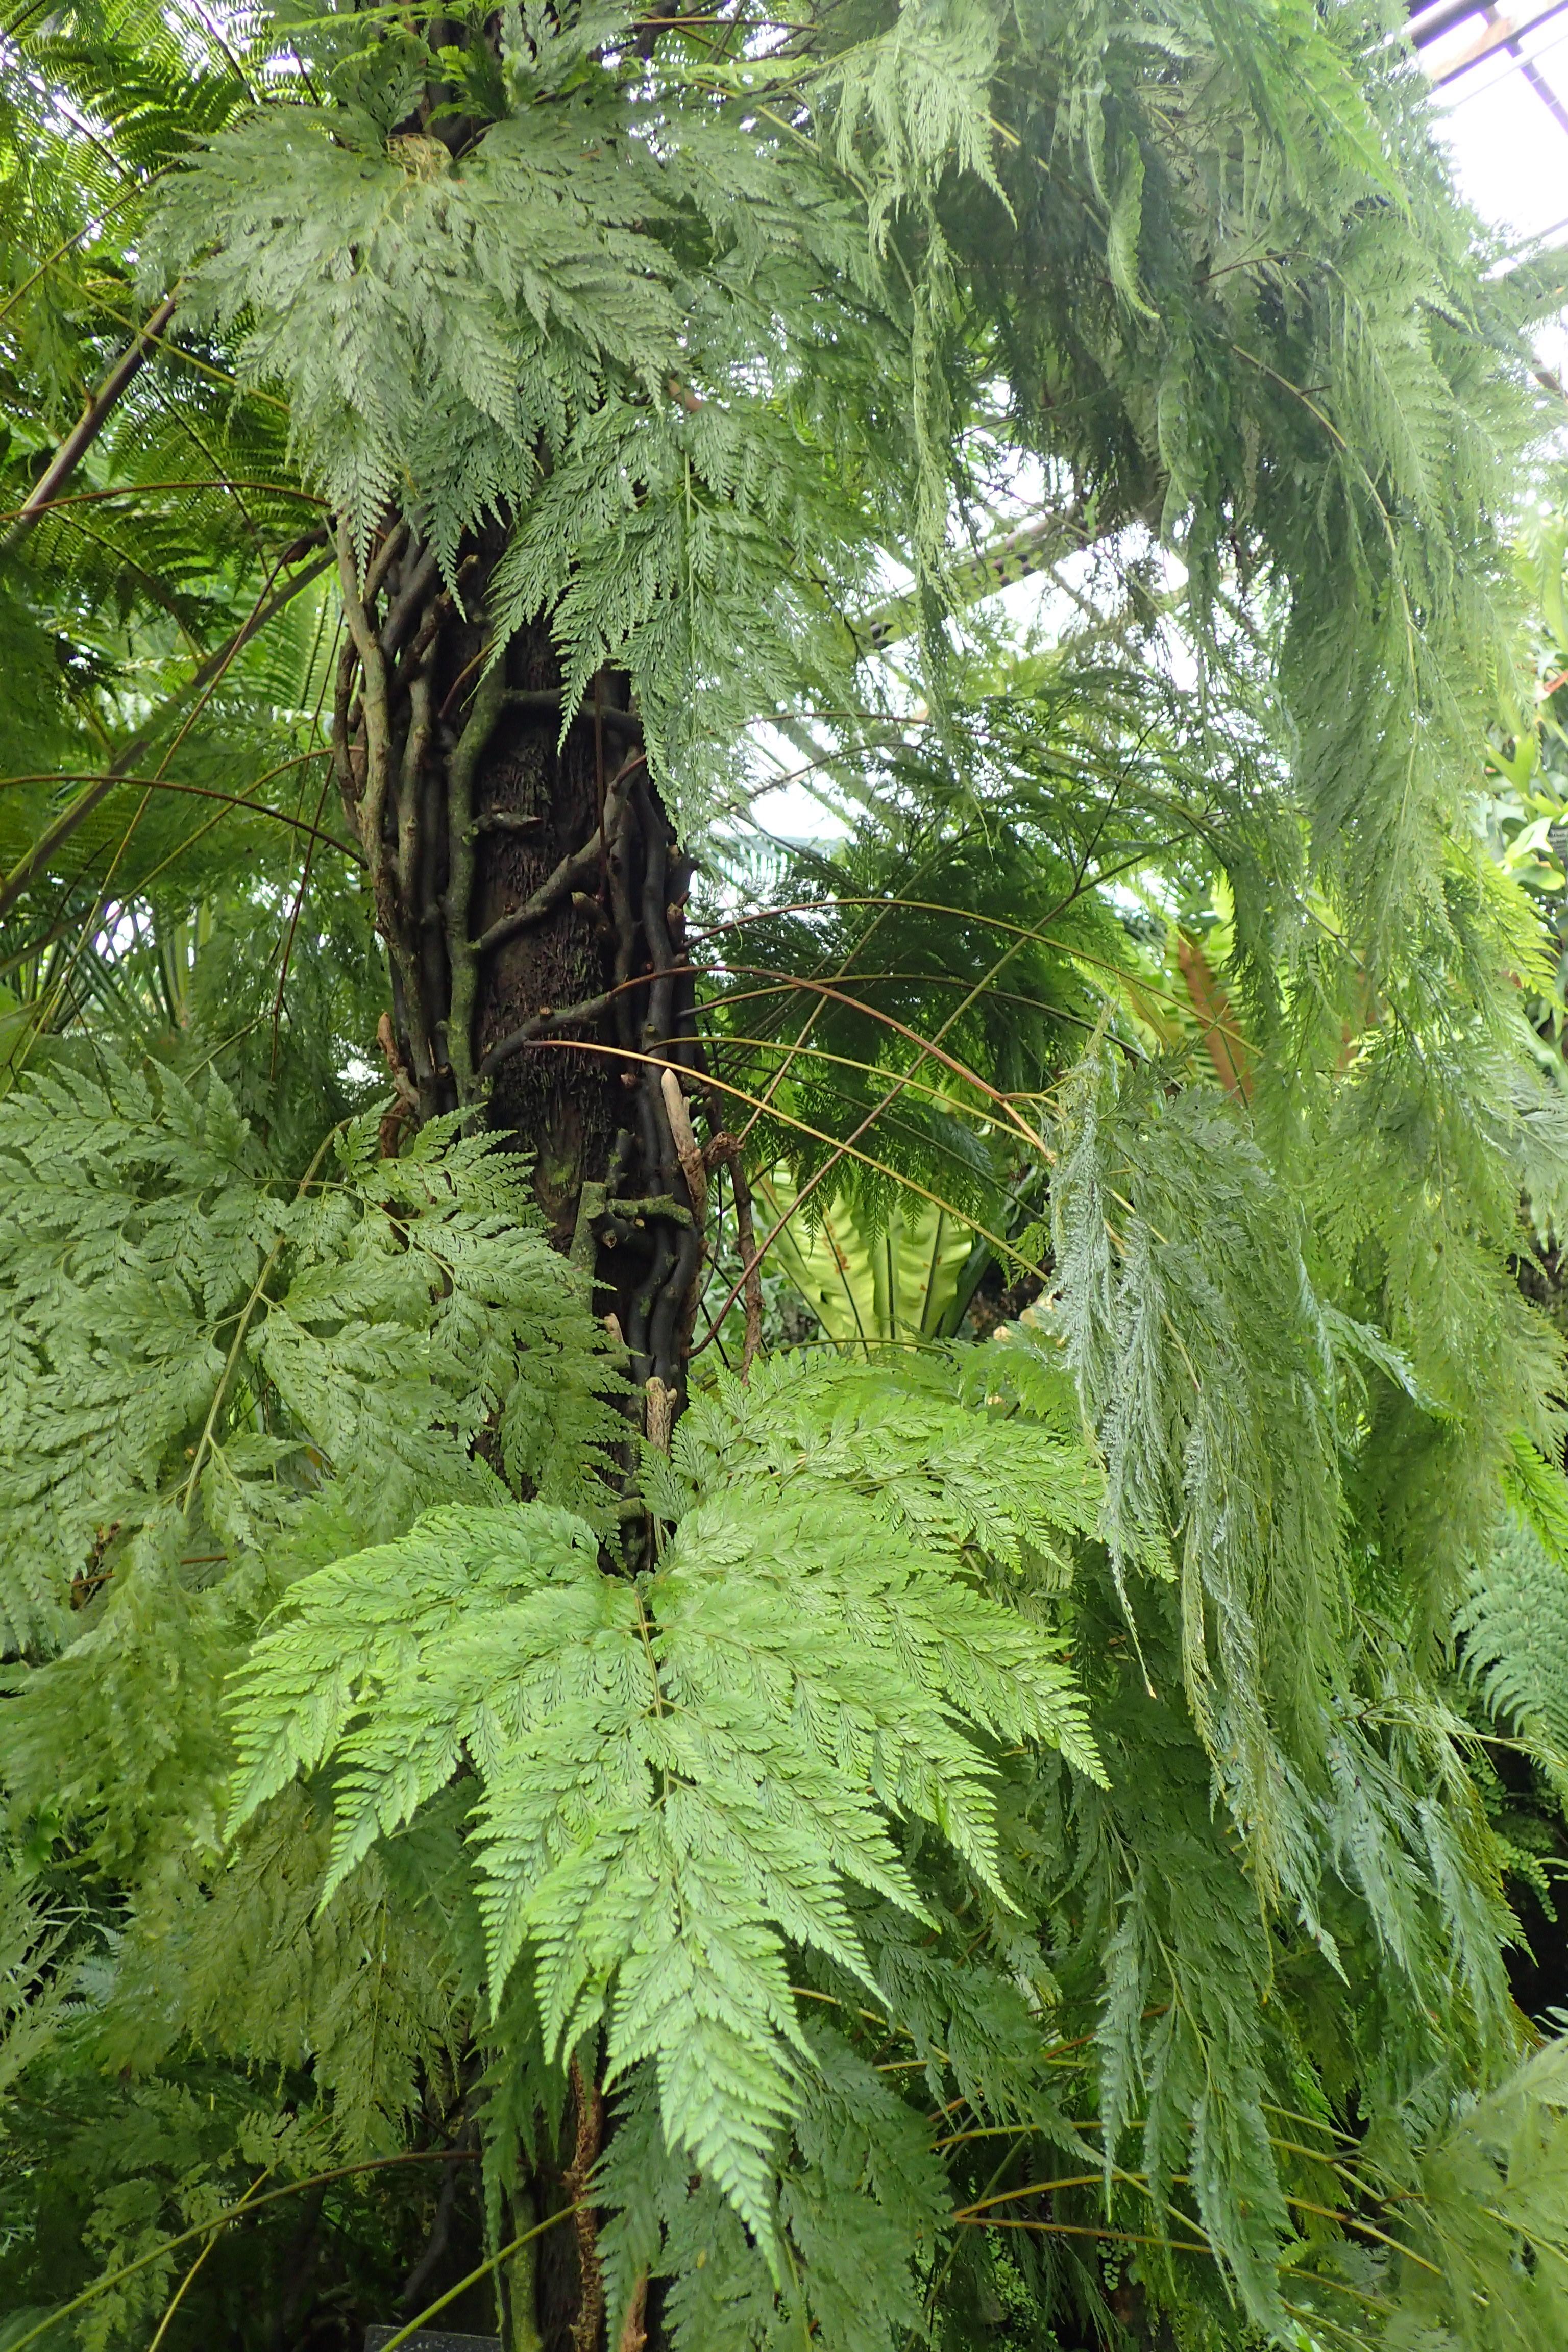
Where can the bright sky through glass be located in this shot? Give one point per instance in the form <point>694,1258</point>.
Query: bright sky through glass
<point>1509,147</point>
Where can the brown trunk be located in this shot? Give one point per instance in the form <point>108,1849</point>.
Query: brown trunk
<point>531,896</point>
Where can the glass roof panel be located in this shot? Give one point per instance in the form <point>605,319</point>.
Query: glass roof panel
<point>1501,77</point>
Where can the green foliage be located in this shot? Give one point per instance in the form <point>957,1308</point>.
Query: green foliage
<point>903,1283</point>
<point>1006,1821</point>
<point>862,2190</point>
<point>430,318</point>
<point>906,1436</point>
<point>214,1379</point>
<point>1514,1626</point>
<point>1501,2171</point>
<point>1176,1256</point>
<point>676,1771</point>
<point>561,324</point>
<point>36,1995</point>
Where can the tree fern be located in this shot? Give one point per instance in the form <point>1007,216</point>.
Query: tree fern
<point>969,1838</point>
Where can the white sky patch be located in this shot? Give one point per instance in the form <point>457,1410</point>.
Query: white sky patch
<point>1510,152</point>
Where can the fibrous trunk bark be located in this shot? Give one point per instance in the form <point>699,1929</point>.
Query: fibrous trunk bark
<point>531,895</point>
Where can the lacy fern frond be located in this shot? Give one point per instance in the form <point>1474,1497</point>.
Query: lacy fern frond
<point>677,1771</point>
<point>945,1459</point>
<point>1190,1324</point>
<point>211,1378</point>
<point>1514,1627</point>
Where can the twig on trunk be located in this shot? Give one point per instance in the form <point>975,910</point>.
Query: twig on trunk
<point>415,743</point>
<point>589,2106</point>
<point>692,1165</point>
<point>575,869</point>
<point>406,1107</point>
<point>408,601</point>
<point>349,785</point>
<point>547,1018</point>
<point>375,719</point>
<point>484,716</point>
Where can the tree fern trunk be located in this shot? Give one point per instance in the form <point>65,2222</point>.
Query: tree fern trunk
<point>531,894</point>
